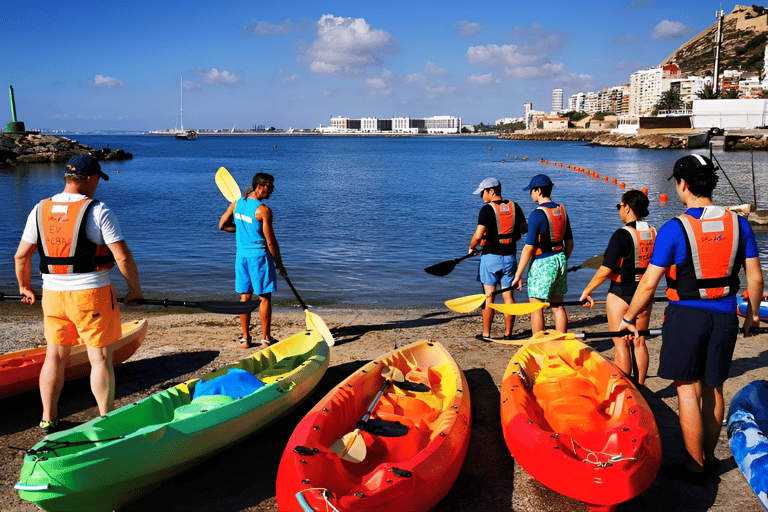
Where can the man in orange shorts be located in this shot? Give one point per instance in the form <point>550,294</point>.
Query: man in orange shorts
<point>79,240</point>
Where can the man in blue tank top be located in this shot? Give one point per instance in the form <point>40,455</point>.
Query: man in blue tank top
<point>258,254</point>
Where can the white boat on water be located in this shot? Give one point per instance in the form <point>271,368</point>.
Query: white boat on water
<point>183,134</point>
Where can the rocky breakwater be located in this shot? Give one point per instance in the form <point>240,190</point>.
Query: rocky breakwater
<point>556,135</point>
<point>757,141</point>
<point>605,138</point>
<point>645,141</point>
<point>31,148</point>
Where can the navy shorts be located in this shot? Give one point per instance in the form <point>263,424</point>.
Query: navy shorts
<point>697,344</point>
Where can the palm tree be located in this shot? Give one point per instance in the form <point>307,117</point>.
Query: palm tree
<point>708,92</point>
<point>670,100</point>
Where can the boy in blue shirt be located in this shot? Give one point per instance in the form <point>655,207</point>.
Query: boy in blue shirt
<point>549,243</point>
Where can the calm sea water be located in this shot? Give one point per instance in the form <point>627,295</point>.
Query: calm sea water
<point>357,218</point>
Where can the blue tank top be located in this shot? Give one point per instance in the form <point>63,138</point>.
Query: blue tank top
<point>250,232</point>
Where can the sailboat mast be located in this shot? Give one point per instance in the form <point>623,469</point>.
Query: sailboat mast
<point>181,102</point>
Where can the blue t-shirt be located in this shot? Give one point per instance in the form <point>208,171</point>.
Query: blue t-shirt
<point>539,225</point>
<point>670,248</point>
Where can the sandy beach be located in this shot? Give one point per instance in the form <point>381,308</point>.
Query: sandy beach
<point>182,344</point>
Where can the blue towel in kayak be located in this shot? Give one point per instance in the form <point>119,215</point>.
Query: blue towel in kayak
<point>236,383</point>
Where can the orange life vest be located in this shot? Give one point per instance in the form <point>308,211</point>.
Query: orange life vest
<point>631,270</point>
<point>556,217</point>
<point>505,222</point>
<point>710,269</point>
<point>61,241</point>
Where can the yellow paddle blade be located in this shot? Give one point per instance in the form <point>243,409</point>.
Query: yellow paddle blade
<point>523,308</point>
<point>351,447</point>
<point>227,185</point>
<point>315,323</point>
<point>466,304</point>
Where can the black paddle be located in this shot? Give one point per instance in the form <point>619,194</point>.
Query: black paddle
<point>211,306</point>
<point>444,268</point>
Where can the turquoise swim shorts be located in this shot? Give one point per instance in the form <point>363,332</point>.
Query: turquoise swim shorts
<point>548,277</point>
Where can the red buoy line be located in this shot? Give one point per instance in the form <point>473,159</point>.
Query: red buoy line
<point>663,198</point>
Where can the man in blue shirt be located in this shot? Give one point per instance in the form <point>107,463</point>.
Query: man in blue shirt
<point>258,254</point>
<point>701,253</point>
<point>549,243</point>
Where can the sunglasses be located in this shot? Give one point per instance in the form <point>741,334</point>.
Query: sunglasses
<point>619,206</point>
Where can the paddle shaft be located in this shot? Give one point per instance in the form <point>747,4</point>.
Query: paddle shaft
<point>303,306</point>
<point>234,308</point>
<point>368,413</point>
<point>650,332</point>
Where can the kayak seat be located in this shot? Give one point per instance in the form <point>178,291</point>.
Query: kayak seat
<point>415,410</point>
<point>576,416</point>
<point>200,405</point>
<point>280,368</point>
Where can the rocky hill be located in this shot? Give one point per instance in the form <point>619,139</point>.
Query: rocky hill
<point>745,33</point>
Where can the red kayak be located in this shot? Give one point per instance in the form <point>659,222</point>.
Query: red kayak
<point>403,453</point>
<point>576,424</point>
<point>20,371</point>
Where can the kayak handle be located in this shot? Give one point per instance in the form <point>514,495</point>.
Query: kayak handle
<point>303,501</point>
<point>28,487</point>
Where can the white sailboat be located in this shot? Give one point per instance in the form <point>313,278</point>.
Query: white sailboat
<point>183,134</point>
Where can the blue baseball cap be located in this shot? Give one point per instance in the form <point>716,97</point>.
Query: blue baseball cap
<point>538,181</point>
<point>84,165</point>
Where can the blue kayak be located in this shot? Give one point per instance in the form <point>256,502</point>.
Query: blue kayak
<point>747,424</point>
<point>741,304</point>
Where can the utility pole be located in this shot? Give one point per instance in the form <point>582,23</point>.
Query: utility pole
<point>718,42</point>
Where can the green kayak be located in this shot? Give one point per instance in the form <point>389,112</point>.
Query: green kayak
<point>111,460</point>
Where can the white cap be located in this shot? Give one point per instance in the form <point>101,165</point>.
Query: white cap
<point>487,183</point>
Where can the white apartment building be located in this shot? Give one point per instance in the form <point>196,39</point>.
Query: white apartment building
<point>339,123</point>
<point>647,86</point>
<point>443,124</point>
<point>557,100</point>
<point>576,102</point>
<point>407,125</point>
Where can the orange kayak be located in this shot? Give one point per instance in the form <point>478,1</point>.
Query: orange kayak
<point>20,371</point>
<point>410,459</point>
<point>576,424</point>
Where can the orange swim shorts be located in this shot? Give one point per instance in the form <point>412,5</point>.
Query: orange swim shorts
<point>82,316</point>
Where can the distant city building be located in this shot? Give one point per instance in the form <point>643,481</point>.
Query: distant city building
<point>557,100</point>
<point>435,124</point>
<point>509,120</point>
<point>555,123</point>
<point>647,86</point>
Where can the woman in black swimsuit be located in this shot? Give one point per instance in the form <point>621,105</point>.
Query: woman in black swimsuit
<point>626,259</point>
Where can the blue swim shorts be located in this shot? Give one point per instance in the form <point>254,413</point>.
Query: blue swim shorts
<point>255,274</point>
<point>548,277</point>
<point>495,269</point>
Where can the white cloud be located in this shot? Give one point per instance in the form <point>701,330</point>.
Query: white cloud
<point>289,78</point>
<point>483,79</point>
<point>467,28</point>
<point>107,82</point>
<point>346,45</point>
<point>537,39</point>
<point>263,28</point>
<point>214,76</point>
<point>515,63</point>
<point>434,70</point>
<point>671,30</point>
<point>379,85</point>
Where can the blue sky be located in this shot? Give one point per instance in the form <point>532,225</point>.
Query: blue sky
<point>93,65</point>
